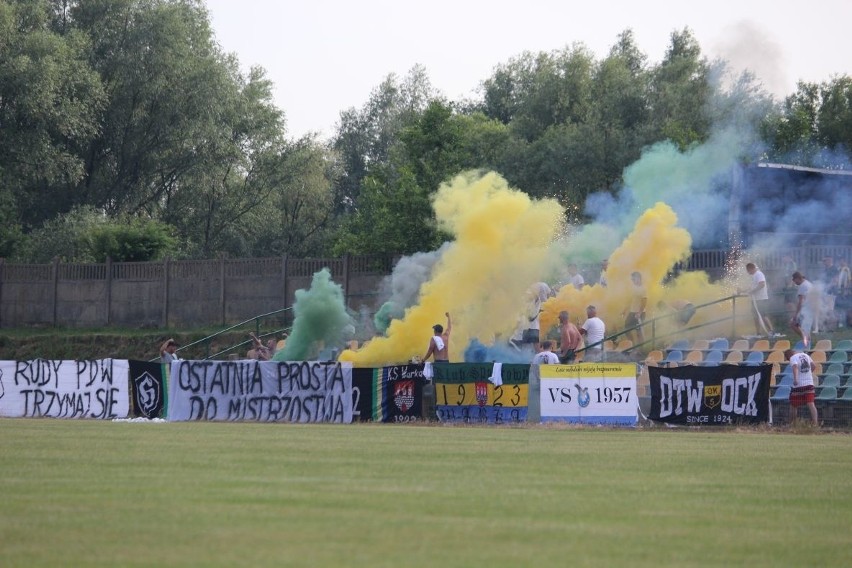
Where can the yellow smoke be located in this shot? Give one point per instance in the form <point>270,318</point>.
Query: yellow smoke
<point>500,248</point>
<point>654,246</point>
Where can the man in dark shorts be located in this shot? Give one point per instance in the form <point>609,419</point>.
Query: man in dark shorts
<point>802,394</point>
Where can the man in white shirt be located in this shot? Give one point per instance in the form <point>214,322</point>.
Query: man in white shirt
<point>593,329</point>
<point>759,299</point>
<point>802,394</point>
<point>575,279</point>
<point>803,319</point>
<point>546,356</point>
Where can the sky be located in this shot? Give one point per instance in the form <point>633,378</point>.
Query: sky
<point>325,56</point>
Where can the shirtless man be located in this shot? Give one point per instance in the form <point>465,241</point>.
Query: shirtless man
<point>439,345</point>
<point>569,338</point>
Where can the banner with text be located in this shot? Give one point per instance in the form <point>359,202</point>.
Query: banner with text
<point>64,389</point>
<point>717,395</point>
<point>261,391</point>
<point>589,393</point>
<point>466,392</point>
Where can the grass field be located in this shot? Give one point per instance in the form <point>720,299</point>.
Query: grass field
<point>87,493</point>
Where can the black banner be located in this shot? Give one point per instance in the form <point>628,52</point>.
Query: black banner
<point>147,389</point>
<point>388,394</point>
<point>717,395</point>
<point>363,394</point>
<point>402,393</point>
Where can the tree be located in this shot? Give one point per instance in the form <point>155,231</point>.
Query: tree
<point>50,100</point>
<point>679,92</point>
<point>814,127</point>
<point>366,136</point>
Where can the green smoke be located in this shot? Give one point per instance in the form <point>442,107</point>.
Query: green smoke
<point>388,312</point>
<point>320,319</point>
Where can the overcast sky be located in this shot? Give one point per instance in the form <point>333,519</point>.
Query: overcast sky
<point>325,56</point>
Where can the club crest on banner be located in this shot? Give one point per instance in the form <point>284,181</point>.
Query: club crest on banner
<point>712,396</point>
<point>583,397</point>
<point>481,393</point>
<point>149,395</point>
<point>403,395</point>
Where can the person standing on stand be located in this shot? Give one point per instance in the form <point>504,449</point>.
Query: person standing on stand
<point>593,330</point>
<point>636,312</point>
<point>439,345</point>
<point>759,300</point>
<point>569,338</point>
<point>803,319</point>
<point>802,393</point>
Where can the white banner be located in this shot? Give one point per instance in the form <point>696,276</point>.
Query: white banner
<point>64,389</point>
<point>589,393</point>
<point>261,391</point>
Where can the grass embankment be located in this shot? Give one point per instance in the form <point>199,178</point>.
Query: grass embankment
<point>49,343</point>
<point>86,493</point>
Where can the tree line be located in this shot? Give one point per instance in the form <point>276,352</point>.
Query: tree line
<point>127,132</point>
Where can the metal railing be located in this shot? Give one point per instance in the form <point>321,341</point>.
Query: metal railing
<point>655,337</point>
<point>256,320</point>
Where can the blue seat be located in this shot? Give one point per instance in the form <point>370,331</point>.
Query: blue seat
<point>828,394</point>
<point>782,394</point>
<point>754,358</point>
<point>838,357</point>
<point>844,345</point>
<point>784,379</point>
<point>714,357</point>
<point>834,369</point>
<point>721,344</point>
<point>799,346</point>
<point>830,381</point>
<point>679,345</point>
<point>675,356</point>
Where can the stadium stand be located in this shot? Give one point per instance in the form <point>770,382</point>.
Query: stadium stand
<point>844,345</point>
<point>781,345</point>
<point>623,345</point>
<point>760,345</point>
<point>679,345</point>
<point>740,345</point>
<point>701,344</point>
<point>823,345</point>
<point>818,356</point>
<point>721,344</point>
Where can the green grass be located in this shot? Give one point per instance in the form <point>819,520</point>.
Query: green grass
<point>86,493</point>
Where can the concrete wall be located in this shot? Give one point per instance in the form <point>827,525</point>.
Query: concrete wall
<point>195,293</point>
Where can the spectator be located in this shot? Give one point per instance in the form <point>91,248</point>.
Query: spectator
<point>593,330</point>
<point>803,318</point>
<point>602,277</point>
<point>168,351</point>
<point>829,280</point>
<point>844,278</point>
<point>575,279</point>
<point>537,294</point>
<point>759,294</point>
<point>569,338</point>
<point>439,345</point>
<point>636,312</point>
<point>803,368</point>
<point>546,356</point>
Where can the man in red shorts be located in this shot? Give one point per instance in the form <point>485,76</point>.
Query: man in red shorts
<point>803,383</point>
